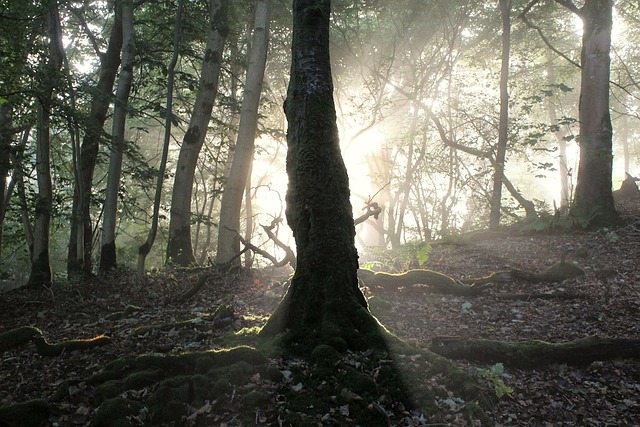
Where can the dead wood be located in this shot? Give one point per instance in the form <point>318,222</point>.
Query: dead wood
<point>530,354</point>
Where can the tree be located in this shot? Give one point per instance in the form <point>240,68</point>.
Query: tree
<point>594,193</point>
<point>501,149</point>
<point>80,242</point>
<point>145,248</point>
<point>108,248</point>
<point>229,225</point>
<point>179,248</point>
<point>323,301</point>
<point>40,264</point>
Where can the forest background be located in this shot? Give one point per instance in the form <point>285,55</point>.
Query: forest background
<point>103,106</point>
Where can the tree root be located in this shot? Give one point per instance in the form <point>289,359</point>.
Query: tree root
<point>531,354</point>
<point>24,334</point>
<point>441,283</point>
<point>223,316</point>
<point>17,337</point>
<point>46,349</point>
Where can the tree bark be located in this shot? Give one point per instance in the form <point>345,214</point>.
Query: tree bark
<point>323,302</point>
<point>501,149</point>
<point>231,204</point>
<point>40,263</point>
<point>179,248</point>
<point>594,198</point>
<point>560,133</point>
<point>108,248</point>
<point>144,250</point>
<point>80,239</point>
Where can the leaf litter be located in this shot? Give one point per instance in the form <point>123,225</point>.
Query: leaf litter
<point>607,303</point>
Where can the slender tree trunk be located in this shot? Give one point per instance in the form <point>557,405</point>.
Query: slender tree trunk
<point>144,250</point>
<point>624,140</point>
<point>6,135</point>
<point>179,248</point>
<point>594,195</point>
<point>560,134</point>
<point>248,207</point>
<point>229,225</point>
<point>40,263</point>
<point>80,239</point>
<point>18,178</point>
<point>323,302</point>
<point>108,248</point>
<point>501,149</point>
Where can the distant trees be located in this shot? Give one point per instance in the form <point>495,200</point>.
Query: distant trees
<point>416,96</point>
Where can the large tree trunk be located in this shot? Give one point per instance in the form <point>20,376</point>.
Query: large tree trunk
<point>80,239</point>
<point>179,248</point>
<point>323,302</point>
<point>501,149</point>
<point>108,249</point>
<point>40,264</point>
<point>594,197</point>
<point>229,226</point>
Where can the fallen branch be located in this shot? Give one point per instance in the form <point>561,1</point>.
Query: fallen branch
<point>530,354</point>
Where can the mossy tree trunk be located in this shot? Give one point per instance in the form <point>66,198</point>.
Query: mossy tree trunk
<point>323,301</point>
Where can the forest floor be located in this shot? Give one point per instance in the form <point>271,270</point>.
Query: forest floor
<point>605,302</point>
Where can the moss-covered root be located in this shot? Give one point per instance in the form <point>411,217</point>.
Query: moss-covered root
<point>114,412</point>
<point>46,349</point>
<point>528,354</point>
<point>17,337</point>
<point>33,413</point>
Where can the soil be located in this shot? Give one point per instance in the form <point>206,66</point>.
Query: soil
<point>604,302</point>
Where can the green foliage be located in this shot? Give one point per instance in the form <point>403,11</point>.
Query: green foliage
<point>559,221</point>
<point>494,376</point>
<point>408,256</point>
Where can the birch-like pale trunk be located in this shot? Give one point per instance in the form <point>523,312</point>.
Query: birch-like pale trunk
<point>108,248</point>
<point>179,247</point>
<point>229,226</point>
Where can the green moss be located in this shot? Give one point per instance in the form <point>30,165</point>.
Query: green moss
<point>220,388</point>
<point>141,379</point>
<point>32,413</point>
<point>108,390</point>
<point>114,412</point>
<point>239,373</point>
<point>255,399</point>
<point>325,355</point>
<point>379,306</point>
<point>17,337</point>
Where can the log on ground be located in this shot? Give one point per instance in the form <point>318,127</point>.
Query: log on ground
<point>530,354</point>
